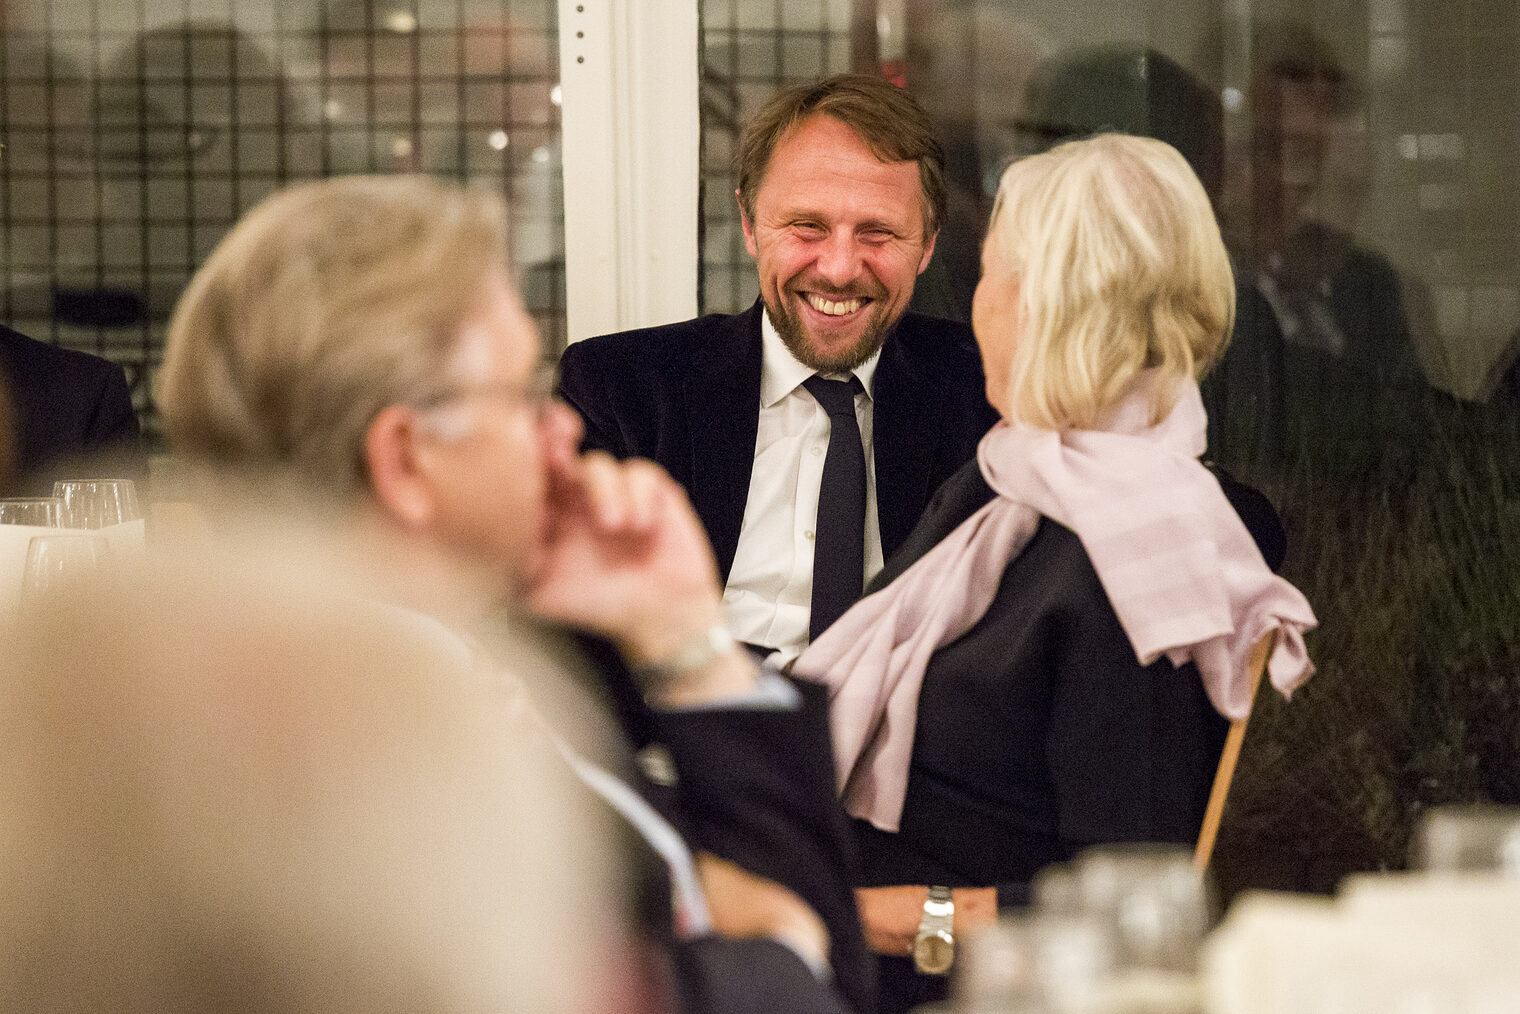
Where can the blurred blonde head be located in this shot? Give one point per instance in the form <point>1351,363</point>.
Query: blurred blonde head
<point>328,302</point>
<point>224,787</point>
<point>1111,254</point>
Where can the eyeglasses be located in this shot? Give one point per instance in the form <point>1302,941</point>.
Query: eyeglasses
<point>537,392</point>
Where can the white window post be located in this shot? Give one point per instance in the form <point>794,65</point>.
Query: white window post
<point>629,85</point>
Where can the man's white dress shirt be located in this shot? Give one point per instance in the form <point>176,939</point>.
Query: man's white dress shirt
<point>769,594</point>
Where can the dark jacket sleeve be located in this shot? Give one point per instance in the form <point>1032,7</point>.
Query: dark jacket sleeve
<point>757,787</point>
<point>719,976</point>
<point>583,384</point>
<point>113,421</point>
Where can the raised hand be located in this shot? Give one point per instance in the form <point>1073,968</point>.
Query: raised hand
<point>624,556</point>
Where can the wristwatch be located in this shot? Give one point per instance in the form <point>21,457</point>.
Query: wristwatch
<point>934,947</point>
<point>696,651</point>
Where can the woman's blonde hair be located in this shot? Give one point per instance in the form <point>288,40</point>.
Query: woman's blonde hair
<point>1120,267</point>
<point>328,302</point>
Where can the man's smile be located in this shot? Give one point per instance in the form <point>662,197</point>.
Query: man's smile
<point>836,306</point>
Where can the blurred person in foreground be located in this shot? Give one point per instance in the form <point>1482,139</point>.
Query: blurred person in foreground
<point>223,788</point>
<point>1049,662</point>
<point>358,339</point>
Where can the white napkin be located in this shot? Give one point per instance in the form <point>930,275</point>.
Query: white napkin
<point>1389,943</point>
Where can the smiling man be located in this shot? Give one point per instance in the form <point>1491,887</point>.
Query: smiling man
<point>841,189</point>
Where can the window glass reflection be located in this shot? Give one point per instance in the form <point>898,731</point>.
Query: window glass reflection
<point>1361,161</point>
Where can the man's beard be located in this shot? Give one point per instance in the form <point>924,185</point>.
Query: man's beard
<point>794,336</point>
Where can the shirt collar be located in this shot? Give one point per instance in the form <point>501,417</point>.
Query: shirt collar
<point>781,373</point>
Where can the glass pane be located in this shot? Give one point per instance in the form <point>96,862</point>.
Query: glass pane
<point>1362,159</point>
<point>136,133</point>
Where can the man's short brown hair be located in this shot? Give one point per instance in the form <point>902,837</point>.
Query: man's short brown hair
<point>889,120</point>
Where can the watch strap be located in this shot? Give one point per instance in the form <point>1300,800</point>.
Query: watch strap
<point>934,945</point>
<point>698,650</point>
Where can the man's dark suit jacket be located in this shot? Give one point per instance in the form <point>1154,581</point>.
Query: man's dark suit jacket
<point>687,396</point>
<point>66,403</point>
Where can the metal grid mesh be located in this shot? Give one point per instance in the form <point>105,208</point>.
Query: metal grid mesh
<point>750,51</point>
<point>137,131</point>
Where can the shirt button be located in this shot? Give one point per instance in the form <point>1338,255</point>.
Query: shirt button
<point>808,535</point>
<point>817,451</point>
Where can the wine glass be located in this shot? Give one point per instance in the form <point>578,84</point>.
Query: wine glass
<point>1155,900</point>
<point>38,511</point>
<point>55,560</point>
<point>1144,910</point>
<point>995,971</point>
<point>97,503</point>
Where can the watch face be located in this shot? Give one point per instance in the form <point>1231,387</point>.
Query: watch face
<point>933,953</point>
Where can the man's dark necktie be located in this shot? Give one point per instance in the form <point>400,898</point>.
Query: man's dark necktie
<point>839,547</point>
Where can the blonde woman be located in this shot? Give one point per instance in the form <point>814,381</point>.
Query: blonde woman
<point>1049,661</point>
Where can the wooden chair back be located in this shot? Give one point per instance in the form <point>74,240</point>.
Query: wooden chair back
<point>1256,665</point>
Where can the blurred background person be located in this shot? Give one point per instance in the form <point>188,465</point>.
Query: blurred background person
<point>223,788</point>
<point>969,65</point>
<point>358,340</point>
<point>1340,388</point>
<point>1049,661</point>
<point>68,405</point>
<point>1322,372</point>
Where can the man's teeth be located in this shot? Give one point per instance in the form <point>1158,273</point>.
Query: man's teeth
<point>832,307</point>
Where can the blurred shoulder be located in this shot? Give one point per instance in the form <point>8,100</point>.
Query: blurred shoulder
<point>29,360</point>
<point>655,347</point>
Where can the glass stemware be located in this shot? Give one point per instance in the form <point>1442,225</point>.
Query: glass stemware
<point>55,560</point>
<point>97,503</point>
<point>37,511</point>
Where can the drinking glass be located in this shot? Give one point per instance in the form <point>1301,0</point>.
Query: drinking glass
<point>1074,962</point>
<point>1157,903</point>
<point>996,970</point>
<point>1469,838</point>
<point>97,503</point>
<point>54,560</point>
<point>1033,962</point>
<point>39,511</point>
<point>1142,909</point>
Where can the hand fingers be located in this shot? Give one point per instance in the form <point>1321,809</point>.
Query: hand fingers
<point>648,488</point>
<point>744,904</point>
<point>602,484</point>
<point>628,496</point>
<point>561,430</point>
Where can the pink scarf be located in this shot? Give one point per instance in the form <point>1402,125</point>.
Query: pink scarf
<point>1179,567</point>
